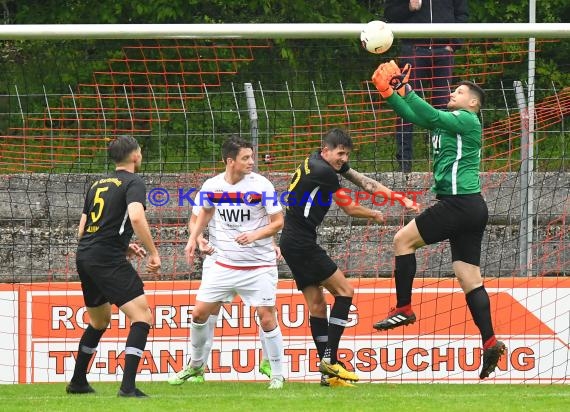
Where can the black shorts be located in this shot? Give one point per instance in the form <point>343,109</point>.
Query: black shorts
<point>309,263</point>
<point>116,283</point>
<point>462,220</point>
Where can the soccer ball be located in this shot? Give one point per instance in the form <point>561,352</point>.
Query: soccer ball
<point>376,37</point>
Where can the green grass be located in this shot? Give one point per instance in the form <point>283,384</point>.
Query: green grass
<point>304,397</point>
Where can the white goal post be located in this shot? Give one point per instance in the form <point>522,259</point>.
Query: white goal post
<point>276,31</point>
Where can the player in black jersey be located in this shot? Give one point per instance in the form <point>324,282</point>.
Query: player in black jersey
<point>312,189</point>
<point>114,208</point>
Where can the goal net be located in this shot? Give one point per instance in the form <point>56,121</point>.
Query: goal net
<point>181,98</point>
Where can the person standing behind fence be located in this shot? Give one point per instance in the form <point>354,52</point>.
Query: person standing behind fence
<point>114,208</point>
<point>432,59</point>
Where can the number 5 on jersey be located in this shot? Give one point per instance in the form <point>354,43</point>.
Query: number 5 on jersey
<point>99,202</point>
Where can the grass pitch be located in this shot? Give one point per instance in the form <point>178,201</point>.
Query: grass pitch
<point>303,397</point>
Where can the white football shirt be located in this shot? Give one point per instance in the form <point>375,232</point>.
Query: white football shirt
<point>241,207</point>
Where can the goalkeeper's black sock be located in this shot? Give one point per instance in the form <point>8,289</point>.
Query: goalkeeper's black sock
<point>320,332</point>
<point>480,308</point>
<point>136,342</point>
<point>337,322</point>
<point>87,347</point>
<point>404,274</point>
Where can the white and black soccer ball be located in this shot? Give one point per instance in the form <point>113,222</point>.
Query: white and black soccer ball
<point>377,37</point>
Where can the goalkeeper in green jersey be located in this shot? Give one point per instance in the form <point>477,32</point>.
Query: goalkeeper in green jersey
<point>460,214</point>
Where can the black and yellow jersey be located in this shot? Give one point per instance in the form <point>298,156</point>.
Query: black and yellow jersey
<point>108,225</point>
<point>309,196</point>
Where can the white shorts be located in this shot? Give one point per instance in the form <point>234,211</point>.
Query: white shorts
<point>208,264</point>
<point>256,287</point>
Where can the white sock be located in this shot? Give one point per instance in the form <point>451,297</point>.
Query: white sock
<point>274,343</point>
<point>198,339</point>
<point>212,320</point>
<point>263,344</point>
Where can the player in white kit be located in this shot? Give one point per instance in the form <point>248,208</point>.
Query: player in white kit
<point>247,215</point>
<point>208,249</point>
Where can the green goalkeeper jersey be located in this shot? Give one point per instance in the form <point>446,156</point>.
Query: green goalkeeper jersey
<point>456,139</point>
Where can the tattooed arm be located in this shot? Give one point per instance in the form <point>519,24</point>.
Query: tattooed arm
<point>366,183</point>
<point>372,186</point>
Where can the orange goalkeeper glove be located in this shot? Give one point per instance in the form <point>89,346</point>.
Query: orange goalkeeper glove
<point>381,79</point>
<point>399,81</point>
<point>391,69</point>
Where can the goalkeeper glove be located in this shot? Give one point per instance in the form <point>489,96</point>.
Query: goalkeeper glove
<point>381,79</point>
<point>391,69</point>
<point>399,82</point>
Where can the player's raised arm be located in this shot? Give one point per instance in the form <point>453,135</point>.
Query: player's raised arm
<point>431,118</point>
<point>383,79</point>
<point>372,186</point>
<point>353,209</point>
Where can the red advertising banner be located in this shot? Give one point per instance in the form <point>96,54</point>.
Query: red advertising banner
<point>530,315</point>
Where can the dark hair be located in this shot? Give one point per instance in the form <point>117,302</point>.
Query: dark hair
<point>476,90</point>
<point>337,137</point>
<point>232,146</point>
<point>122,147</point>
